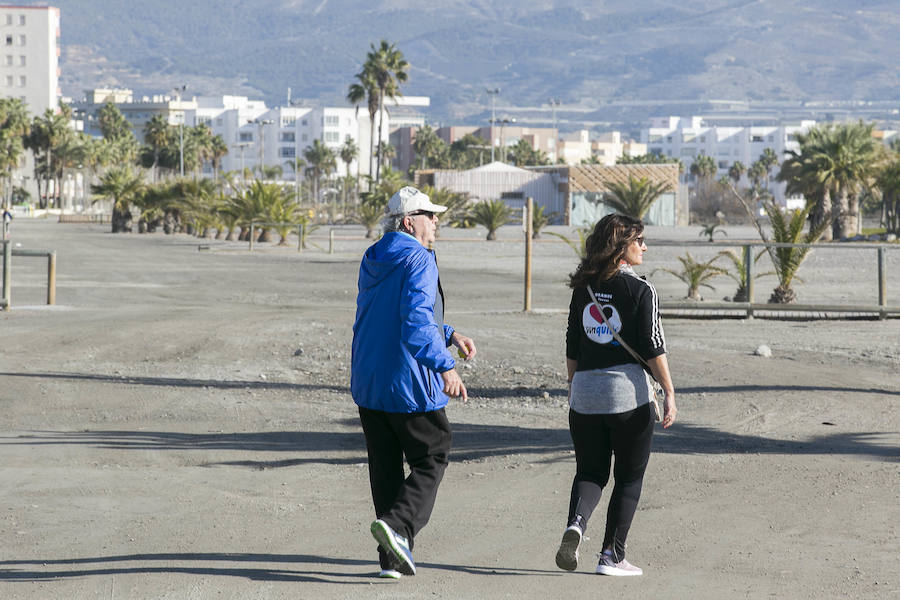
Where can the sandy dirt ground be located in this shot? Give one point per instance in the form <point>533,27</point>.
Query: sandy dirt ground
<point>179,426</point>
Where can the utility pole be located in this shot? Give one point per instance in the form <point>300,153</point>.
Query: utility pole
<point>493,94</point>
<point>178,91</point>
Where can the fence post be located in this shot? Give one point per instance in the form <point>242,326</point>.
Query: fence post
<point>51,278</point>
<point>882,286</point>
<point>529,225</point>
<point>331,241</point>
<point>251,235</point>
<point>7,274</point>
<point>300,235</point>
<point>748,270</point>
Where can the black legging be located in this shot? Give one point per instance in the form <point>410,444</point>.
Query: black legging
<point>597,438</point>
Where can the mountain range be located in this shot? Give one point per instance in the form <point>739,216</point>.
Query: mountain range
<point>593,56</point>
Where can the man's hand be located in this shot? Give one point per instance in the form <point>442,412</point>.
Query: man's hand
<point>453,385</point>
<point>466,345</point>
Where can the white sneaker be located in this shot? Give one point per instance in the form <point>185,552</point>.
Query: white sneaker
<point>623,568</point>
<point>390,574</point>
<point>567,555</point>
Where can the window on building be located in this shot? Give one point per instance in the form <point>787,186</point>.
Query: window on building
<point>304,122</point>
<point>21,19</point>
<point>756,138</point>
<point>702,139</point>
<point>287,136</point>
<point>304,137</point>
<point>723,164</point>
<point>331,137</point>
<point>288,121</point>
<point>220,121</point>
<point>653,139</point>
<point>687,137</point>
<point>9,81</point>
<point>332,121</point>
<point>9,19</point>
<point>512,195</point>
<point>286,152</point>
<point>656,151</point>
<point>9,40</point>
<point>246,136</point>
<point>22,81</point>
<point>791,137</point>
<point>9,60</point>
<point>771,138</point>
<point>669,139</point>
<point>687,151</point>
<point>21,40</point>
<point>22,60</point>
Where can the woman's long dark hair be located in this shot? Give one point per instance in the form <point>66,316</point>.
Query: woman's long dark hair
<point>604,249</point>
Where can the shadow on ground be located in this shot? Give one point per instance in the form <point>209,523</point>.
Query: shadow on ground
<point>343,570</point>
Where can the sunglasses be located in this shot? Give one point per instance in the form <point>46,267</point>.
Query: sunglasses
<point>427,213</point>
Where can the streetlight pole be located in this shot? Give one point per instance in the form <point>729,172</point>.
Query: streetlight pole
<point>242,145</point>
<point>493,94</point>
<point>178,91</point>
<point>262,149</point>
<point>554,102</point>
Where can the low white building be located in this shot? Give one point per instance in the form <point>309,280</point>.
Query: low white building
<point>604,149</point>
<point>689,138</point>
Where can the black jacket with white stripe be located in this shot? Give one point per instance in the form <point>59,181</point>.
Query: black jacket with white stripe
<point>631,306</point>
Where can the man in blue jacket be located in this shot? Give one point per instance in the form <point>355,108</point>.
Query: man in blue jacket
<point>403,374</point>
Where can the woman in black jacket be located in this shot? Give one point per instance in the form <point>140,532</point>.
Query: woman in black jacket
<point>609,395</point>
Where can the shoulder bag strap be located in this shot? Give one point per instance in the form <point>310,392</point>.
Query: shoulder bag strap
<point>616,335</point>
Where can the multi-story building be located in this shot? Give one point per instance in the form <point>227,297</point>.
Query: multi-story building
<point>29,66</point>
<point>689,138</point>
<point>577,147</point>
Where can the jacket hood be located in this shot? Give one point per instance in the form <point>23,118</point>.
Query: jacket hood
<point>385,255</point>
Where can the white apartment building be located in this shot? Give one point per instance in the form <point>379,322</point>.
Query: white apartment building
<point>605,148</point>
<point>29,65</point>
<point>688,138</point>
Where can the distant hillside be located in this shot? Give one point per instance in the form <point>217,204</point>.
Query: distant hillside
<point>584,53</point>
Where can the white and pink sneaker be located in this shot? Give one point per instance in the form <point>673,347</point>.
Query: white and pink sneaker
<point>623,568</point>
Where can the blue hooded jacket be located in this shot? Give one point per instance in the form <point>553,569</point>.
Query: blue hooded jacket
<point>399,350</point>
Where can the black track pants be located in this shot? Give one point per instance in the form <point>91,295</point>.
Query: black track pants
<point>424,439</point>
<point>598,438</point>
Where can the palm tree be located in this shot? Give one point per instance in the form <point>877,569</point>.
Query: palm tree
<point>366,88</point>
<point>427,145</point>
<point>789,230</point>
<point>386,152</point>
<point>491,214</point>
<point>736,171</point>
<point>888,181</point>
<point>156,134</point>
<point>635,198</point>
<point>47,132</point>
<point>321,161</point>
<point>388,68</point>
<point>710,230</point>
<point>348,152</point>
<point>218,149</point>
<point>14,127</point>
<point>116,129</point>
<point>740,273</point>
<point>802,172</point>
<point>123,185</point>
<point>696,274</point>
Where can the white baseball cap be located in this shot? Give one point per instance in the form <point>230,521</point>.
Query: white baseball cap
<point>408,199</point>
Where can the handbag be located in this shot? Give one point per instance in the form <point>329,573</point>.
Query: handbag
<point>654,384</point>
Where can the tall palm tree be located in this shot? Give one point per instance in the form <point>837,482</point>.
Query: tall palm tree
<point>123,185</point>
<point>366,88</point>
<point>736,171</point>
<point>349,151</point>
<point>14,127</point>
<point>47,132</point>
<point>156,135</point>
<point>636,197</point>
<point>888,181</point>
<point>388,67</point>
<point>802,172</point>
<point>218,149</point>
<point>321,161</point>
<point>427,145</point>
